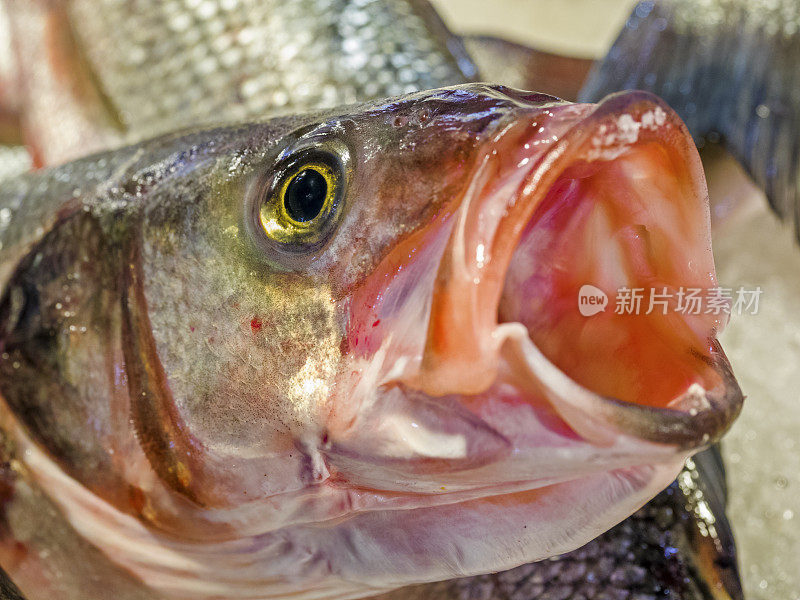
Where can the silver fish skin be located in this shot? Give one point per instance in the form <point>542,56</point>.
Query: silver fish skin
<point>183,63</point>
<point>178,385</point>
<point>728,67</point>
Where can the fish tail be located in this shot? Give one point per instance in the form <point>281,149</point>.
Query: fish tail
<point>729,69</point>
<point>704,487</point>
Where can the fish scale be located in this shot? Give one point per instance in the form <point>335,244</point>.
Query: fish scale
<point>184,63</point>
<point>250,58</point>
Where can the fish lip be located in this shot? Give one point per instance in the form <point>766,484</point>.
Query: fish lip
<point>701,422</point>
<point>690,422</point>
<point>685,429</point>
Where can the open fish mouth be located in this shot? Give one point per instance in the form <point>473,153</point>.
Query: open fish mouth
<point>495,402</point>
<point>617,204</point>
<point>512,372</point>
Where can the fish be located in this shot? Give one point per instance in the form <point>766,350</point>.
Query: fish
<point>727,68</point>
<point>64,28</point>
<point>183,64</point>
<point>520,66</point>
<point>334,354</point>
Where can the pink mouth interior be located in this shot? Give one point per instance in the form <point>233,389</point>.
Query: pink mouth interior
<point>635,221</point>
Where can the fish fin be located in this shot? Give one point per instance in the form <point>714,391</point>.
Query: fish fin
<point>8,591</point>
<point>520,66</point>
<point>440,30</point>
<point>710,464</point>
<point>53,100</point>
<point>702,484</point>
<point>729,74</point>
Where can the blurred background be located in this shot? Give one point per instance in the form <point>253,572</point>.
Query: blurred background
<point>584,28</point>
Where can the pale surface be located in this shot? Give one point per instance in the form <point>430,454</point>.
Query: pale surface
<point>583,28</point>
<point>763,448</point>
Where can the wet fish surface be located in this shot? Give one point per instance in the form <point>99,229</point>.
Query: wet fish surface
<point>245,399</point>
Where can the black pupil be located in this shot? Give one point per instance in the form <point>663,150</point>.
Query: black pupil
<point>305,195</point>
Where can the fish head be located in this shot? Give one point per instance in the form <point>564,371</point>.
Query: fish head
<point>346,352</point>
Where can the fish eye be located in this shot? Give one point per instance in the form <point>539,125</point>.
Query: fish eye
<point>299,203</point>
<point>306,193</point>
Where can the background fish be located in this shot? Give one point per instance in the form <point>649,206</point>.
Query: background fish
<point>523,67</point>
<point>184,63</point>
<point>727,67</point>
<point>244,399</point>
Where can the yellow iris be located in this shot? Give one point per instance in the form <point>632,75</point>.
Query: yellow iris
<point>301,205</point>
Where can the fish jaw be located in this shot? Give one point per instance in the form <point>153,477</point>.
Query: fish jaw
<point>480,372</point>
